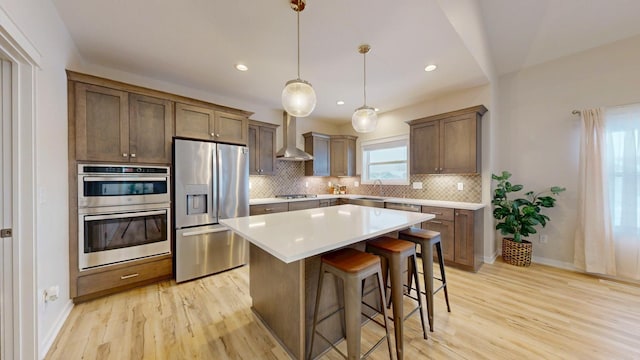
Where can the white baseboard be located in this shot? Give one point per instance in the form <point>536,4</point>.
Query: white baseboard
<point>45,346</point>
<point>491,259</point>
<point>555,263</point>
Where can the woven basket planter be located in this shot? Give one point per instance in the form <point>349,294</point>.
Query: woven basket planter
<point>514,253</point>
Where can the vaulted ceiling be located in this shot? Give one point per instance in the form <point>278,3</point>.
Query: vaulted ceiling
<point>196,43</point>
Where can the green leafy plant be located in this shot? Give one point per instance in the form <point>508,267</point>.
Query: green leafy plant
<point>520,216</point>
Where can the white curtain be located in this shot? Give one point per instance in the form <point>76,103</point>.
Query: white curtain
<point>594,244</point>
<point>623,169</point>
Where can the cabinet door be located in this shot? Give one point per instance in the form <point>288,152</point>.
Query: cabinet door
<point>342,159</point>
<point>301,205</point>
<point>102,123</point>
<point>446,230</point>
<point>231,128</point>
<point>267,150</point>
<point>338,158</point>
<point>459,145</point>
<point>195,122</point>
<point>464,253</point>
<point>150,129</point>
<point>317,145</point>
<point>425,148</point>
<point>254,163</point>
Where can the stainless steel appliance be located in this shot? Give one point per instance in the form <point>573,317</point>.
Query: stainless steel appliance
<point>211,182</point>
<point>124,213</point>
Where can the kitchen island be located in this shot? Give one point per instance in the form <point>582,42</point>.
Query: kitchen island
<point>285,250</point>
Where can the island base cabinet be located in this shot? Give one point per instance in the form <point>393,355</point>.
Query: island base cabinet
<point>284,296</point>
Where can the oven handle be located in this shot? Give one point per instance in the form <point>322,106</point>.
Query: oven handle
<point>121,178</point>
<point>124,215</point>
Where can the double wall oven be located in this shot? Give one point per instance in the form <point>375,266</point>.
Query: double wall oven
<point>124,213</point>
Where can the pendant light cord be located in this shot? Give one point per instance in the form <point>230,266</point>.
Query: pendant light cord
<point>365,79</point>
<point>298,13</point>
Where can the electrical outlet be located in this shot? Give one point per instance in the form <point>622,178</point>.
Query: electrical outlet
<point>543,238</point>
<point>329,184</point>
<point>51,293</point>
<point>356,184</point>
<point>306,184</point>
<point>417,185</point>
<point>460,186</point>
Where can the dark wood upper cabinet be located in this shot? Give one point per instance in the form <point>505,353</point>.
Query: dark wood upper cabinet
<point>117,126</point>
<point>343,155</point>
<point>101,123</point>
<point>206,123</point>
<point>195,122</point>
<point>317,145</point>
<point>262,148</point>
<point>150,129</point>
<point>448,143</point>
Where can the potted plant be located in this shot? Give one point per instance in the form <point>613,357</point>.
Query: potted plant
<point>518,217</point>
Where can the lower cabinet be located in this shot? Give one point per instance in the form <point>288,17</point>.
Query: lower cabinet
<point>268,208</point>
<point>291,206</point>
<point>301,205</point>
<point>329,202</point>
<point>123,277</point>
<point>460,235</point>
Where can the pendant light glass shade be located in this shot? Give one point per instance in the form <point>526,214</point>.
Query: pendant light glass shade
<point>364,119</point>
<point>298,97</point>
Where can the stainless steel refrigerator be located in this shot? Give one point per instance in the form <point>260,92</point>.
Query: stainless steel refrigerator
<point>211,182</point>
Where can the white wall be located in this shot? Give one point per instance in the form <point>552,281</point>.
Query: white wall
<point>538,138</point>
<point>39,22</point>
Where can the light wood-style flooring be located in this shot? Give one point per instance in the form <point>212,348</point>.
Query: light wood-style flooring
<point>501,312</point>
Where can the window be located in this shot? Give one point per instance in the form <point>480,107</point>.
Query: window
<point>386,160</point>
<point>623,167</point>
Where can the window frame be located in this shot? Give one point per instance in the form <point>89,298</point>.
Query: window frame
<point>384,143</point>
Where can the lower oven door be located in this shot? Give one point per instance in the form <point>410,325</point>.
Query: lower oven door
<point>111,235</point>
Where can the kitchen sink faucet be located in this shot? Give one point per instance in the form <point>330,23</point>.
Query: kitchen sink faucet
<point>377,182</point>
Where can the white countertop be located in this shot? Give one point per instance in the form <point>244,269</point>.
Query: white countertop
<point>422,202</point>
<point>295,235</point>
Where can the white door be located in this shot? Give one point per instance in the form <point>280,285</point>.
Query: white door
<point>6,204</point>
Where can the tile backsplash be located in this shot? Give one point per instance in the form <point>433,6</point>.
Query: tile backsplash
<point>290,179</point>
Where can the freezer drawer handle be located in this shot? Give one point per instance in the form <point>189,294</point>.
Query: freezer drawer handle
<point>201,232</point>
<point>125,277</point>
<point>435,222</point>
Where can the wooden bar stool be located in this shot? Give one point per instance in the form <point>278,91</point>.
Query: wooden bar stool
<point>427,239</point>
<point>352,267</point>
<point>398,255</point>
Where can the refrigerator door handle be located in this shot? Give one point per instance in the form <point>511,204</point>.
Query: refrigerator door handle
<point>202,232</point>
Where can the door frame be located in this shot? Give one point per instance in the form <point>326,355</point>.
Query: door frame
<point>16,48</point>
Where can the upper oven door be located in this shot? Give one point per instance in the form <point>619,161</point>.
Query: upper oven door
<point>116,190</point>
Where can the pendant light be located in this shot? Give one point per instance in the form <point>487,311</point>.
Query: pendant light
<point>298,97</point>
<point>364,119</point>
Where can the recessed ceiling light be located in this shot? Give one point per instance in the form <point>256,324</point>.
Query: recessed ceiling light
<point>241,67</point>
<point>376,109</point>
<point>340,102</point>
<point>430,67</point>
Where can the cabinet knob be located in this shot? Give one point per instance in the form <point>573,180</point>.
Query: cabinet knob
<point>440,169</point>
<point>133,155</point>
<point>125,155</point>
<point>217,135</point>
<point>213,134</point>
<point>436,169</point>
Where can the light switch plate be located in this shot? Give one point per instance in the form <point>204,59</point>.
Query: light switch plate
<point>356,184</point>
<point>417,185</point>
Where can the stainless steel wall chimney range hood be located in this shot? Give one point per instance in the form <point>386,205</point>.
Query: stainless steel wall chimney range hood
<point>289,150</point>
